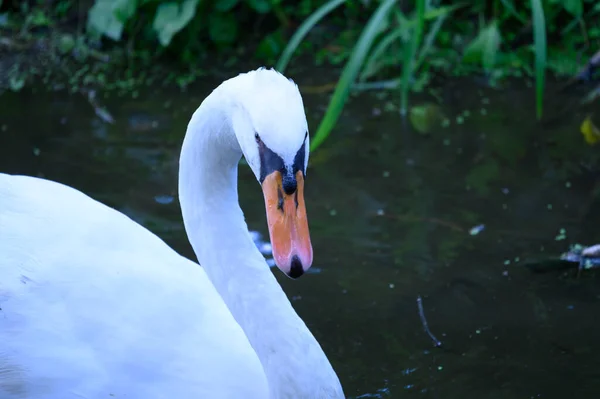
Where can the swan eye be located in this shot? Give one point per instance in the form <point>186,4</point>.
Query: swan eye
<point>257,137</point>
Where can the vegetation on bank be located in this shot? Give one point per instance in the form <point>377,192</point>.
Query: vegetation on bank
<point>381,44</point>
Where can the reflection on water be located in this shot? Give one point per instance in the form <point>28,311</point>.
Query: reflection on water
<point>391,214</point>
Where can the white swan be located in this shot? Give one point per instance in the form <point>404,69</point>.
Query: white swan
<point>92,305</point>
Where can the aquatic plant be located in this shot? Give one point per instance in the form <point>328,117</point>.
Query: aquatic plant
<point>492,46</point>
<point>382,45</point>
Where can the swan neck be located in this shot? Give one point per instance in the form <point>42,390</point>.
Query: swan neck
<point>291,357</point>
<point>209,202</point>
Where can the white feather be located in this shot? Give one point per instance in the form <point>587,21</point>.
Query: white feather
<point>94,305</point>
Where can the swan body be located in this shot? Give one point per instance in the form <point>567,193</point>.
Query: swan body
<point>93,305</point>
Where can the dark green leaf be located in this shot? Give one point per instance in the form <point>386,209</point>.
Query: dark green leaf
<point>574,7</point>
<point>225,5</point>
<point>270,47</point>
<point>171,17</point>
<point>351,70</point>
<point>484,48</point>
<point>102,20</point>
<point>260,6</point>
<point>303,30</point>
<point>540,46</point>
<point>66,43</point>
<point>124,9</point>
<point>222,28</point>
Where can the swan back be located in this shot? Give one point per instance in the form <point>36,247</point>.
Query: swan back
<point>93,305</point>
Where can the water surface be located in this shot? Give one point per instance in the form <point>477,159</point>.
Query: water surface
<point>390,212</point>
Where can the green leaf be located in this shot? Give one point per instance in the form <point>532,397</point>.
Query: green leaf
<point>260,6</point>
<point>539,39</point>
<point>171,18</point>
<point>351,70</point>
<point>426,117</point>
<point>508,5</point>
<point>574,7</point>
<point>437,12</point>
<point>102,19</point>
<point>484,48</point>
<point>66,43</point>
<point>222,28</point>
<point>303,30</point>
<point>376,59</point>
<point>410,52</point>
<point>270,46</point>
<point>124,9</point>
<point>225,5</point>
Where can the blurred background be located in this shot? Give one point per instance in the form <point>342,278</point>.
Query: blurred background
<point>453,165</point>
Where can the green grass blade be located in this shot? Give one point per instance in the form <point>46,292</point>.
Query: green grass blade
<point>351,70</point>
<point>539,39</point>
<point>410,54</point>
<point>371,67</point>
<point>303,30</point>
<point>508,5</point>
<point>429,40</point>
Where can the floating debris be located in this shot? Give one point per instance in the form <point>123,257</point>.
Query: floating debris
<point>577,257</point>
<point>593,251</point>
<point>562,235</point>
<point>436,342</point>
<point>477,229</point>
<point>590,132</point>
<point>425,118</point>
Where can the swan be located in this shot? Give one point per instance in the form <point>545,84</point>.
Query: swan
<point>93,305</point>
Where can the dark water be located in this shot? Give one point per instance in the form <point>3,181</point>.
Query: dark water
<point>390,212</point>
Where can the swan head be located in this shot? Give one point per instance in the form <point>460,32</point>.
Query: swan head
<point>271,128</point>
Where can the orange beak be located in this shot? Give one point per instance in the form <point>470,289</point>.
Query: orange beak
<point>288,226</point>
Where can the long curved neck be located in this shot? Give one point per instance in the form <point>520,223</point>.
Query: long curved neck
<point>292,359</point>
<point>215,222</point>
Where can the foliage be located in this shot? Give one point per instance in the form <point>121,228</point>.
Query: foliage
<point>382,44</point>
<point>111,17</point>
<point>350,72</point>
<point>303,30</point>
<point>539,37</point>
<point>498,46</point>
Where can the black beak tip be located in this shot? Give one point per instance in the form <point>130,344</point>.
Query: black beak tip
<point>296,269</point>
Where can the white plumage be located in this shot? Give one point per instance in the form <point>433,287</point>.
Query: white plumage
<point>95,306</point>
